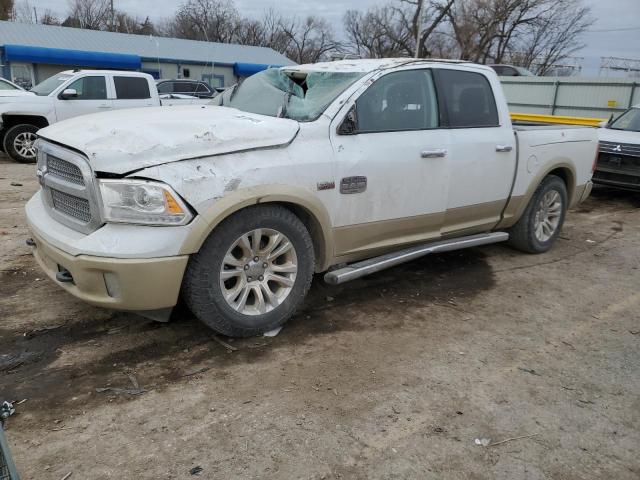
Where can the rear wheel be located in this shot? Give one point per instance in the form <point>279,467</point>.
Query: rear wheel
<point>251,273</point>
<point>19,142</point>
<point>542,220</point>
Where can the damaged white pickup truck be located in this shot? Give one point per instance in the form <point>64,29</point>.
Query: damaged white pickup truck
<point>346,168</point>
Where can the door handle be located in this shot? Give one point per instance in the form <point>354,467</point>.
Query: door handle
<point>503,148</point>
<point>435,153</point>
<point>104,105</point>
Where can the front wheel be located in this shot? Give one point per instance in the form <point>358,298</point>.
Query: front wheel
<point>542,220</point>
<point>19,142</point>
<point>252,273</point>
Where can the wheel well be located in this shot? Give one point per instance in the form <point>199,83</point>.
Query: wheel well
<point>567,177</point>
<point>313,227</point>
<point>9,121</point>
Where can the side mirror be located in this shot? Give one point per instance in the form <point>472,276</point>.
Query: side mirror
<point>349,125</point>
<point>68,93</point>
<point>604,124</point>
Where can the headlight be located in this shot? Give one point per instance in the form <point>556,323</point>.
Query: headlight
<point>142,201</point>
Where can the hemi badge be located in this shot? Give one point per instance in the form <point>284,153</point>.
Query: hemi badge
<point>326,185</point>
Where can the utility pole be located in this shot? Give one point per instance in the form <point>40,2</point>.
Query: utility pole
<point>35,14</point>
<point>419,28</point>
<point>111,19</point>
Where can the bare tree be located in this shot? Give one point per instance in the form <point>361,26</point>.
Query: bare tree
<point>209,20</point>
<point>23,12</point>
<point>393,30</point>
<point>518,31</point>
<point>89,14</point>
<point>367,35</point>
<point>125,23</point>
<point>49,18</point>
<point>309,40</point>
<point>552,37</point>
<point>6,9</point>
<point>423,21</point>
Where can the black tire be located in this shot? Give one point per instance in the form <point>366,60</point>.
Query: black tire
<point>522,235</point>
<point>201,288</point>
<point>9,138</point>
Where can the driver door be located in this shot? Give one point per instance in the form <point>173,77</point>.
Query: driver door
<point>392,172</point>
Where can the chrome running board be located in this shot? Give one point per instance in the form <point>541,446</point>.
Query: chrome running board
<point>373,265</point>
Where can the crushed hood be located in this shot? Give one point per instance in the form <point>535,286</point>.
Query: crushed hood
<point>122,141</point>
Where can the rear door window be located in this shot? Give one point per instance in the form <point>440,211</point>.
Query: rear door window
<point>131,88</point>
<point>468,99</point>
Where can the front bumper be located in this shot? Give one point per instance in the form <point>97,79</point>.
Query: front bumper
<point>620,179</point>
<point>117,283</point>
<point>101,265</point>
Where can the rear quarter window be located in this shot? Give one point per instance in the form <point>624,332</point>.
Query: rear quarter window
<point>131,88</point>
<point>468,99</point>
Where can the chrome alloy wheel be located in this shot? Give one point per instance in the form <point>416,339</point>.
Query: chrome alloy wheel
<point>23,144</point>
<point>258,271</point>
<point>548,216</point>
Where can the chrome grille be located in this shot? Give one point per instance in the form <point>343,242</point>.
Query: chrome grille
<point>68,187</point>
<point>65,170</point>
<point>71,205</point>
<point>620,148</point>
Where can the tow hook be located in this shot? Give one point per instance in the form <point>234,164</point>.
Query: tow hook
<point>30,242</point>
<point>63,275</point>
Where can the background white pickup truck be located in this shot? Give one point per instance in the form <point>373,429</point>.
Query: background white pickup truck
<point>70,94</point>
<point>345,167</point>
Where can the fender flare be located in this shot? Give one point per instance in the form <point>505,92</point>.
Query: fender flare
<point>298,199</point>
<point>516,206</point>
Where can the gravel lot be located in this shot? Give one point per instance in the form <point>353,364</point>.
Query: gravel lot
<point>392,376</point>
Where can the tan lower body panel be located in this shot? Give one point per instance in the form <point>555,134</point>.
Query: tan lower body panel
<point>472,219</point>
<point>354,242</point>
<point>120,284</point>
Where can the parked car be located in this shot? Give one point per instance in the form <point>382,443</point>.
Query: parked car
<point>345,167</point>
<point>196,88</point>
<point>10,89</point>
<point>70,94</point>
<point>511,71</point>
<point>619,157</point>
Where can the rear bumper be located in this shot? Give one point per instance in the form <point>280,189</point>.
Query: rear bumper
<point>117,283</point>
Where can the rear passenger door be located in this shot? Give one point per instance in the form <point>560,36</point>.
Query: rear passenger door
<point>131,92</point>
<point>482,156</point>
<point>91,97</point>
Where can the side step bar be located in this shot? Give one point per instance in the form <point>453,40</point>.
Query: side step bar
<point>373,265</point>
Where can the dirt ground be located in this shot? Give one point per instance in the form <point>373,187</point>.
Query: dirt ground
<point>392,377</point>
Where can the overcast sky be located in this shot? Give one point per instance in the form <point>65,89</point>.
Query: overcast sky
<point>616,32</point>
